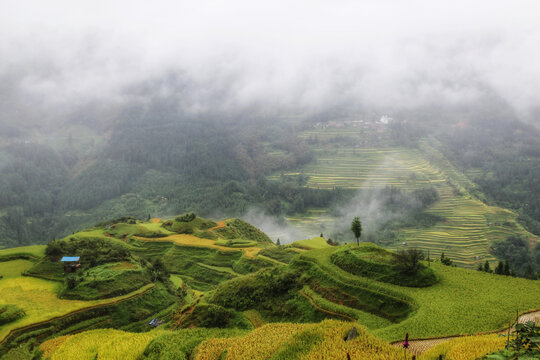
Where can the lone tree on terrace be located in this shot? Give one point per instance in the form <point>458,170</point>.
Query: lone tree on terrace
<point>356,228</point>
<point>408,261</point>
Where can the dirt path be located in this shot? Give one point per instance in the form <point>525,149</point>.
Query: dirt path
<point>186,312</point>
<point>418,347</point>
<point>220,224</point>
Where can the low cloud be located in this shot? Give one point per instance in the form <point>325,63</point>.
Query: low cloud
<point>303,56</point>
<point>275,227</point>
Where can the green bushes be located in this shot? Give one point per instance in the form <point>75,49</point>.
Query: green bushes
<point>186,217</point>
<point>239,229</point>
<point>188,224</point>
<point>378,264</point>
<point>10,313</point>
<point>251,290</point>
<point>93,251</point>
<point>47,269</point>
<point>102,282</point>
<point>123,219</point>
<point>208,316</point>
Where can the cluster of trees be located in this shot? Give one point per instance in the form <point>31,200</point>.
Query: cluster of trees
<point>502,268</point>
<point>520,258</point>
<point>408,261</point>
<point>92,251</point>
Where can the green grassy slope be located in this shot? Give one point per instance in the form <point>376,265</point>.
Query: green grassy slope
<point>463,302</point>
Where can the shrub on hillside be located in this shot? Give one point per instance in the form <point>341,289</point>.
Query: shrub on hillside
<point>408,261</point>
<point>102,282</point>
<point>186,217</point>
<point>247,291</point>
<point>445,260</point>
<point>208,316</point>
<point>239,229</point>
<point>123,219</point>
<point>93,251</point>
<point>10,313</point>
<point>520,255</point>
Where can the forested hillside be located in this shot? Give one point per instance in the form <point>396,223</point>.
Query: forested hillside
<point>149,160</point>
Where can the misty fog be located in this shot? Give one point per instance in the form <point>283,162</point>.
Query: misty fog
<point>303,56</point>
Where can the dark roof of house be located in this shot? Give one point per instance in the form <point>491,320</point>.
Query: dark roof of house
<point>70,258</point>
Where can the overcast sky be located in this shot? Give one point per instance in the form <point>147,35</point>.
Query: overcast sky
<point>306,53</point>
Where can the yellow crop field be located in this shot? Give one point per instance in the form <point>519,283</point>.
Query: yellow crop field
<point>365,346</point>
<point>34,250</point>
<point>50,346</point>
<point>106,344</point>
<point>14,268</point>
<point>38,298</point>
<point>212,349</point>
<point>192,240</point>
<point>466,348</point>
<point>261,343</point>
<point>306,341</point>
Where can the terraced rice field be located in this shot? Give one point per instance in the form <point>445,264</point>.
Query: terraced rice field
<point>191,240</point>
<point>470,225</point>
<point>32,250</point>
<point>368,169</point>
<point>463,236</point>
<point>14,268</point>
<point>102,344</point>
<point>38,298</point>
<point>465,301</point>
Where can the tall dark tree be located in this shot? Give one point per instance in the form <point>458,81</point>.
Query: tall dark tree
<point>356,228</point>
<point>486,267</point>
<point>529,273</point>
<point>500,268</point>
<point>506,268</point>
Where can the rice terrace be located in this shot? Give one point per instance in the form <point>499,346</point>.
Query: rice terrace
<point>467,226</point>
<point>249,295</point>
<point>269,180</point>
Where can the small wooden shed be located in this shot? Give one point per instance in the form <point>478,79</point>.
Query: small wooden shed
<point>71,263</point>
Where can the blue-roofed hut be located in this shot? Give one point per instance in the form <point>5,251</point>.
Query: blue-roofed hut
<point>71,263</point>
